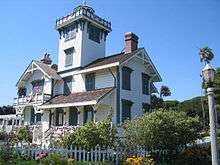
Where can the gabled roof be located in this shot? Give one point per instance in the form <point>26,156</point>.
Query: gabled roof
<point>47,70</point>
<point>80,97</point>
<point>121,57</point>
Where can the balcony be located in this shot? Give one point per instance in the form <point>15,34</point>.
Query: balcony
<point>36,99</point>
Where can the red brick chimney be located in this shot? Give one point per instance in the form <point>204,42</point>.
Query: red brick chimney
<point>46,59</point>
<point>131,42</point>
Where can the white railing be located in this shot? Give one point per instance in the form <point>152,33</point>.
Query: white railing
<point>33,99</point>
<point>57,131</point>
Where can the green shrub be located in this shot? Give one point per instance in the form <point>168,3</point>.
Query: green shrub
<point>196,155</point>
<point>54,159</point>
<point>89,136</point>
<point>24,134</point>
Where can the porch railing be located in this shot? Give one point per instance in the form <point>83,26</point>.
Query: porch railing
<point>32,99</point>
<point>56,131</point>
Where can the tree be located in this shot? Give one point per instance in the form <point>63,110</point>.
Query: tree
<point>162,130</point>
<point>156,102</point>
<point>206,54</point>
<point>164,91</point>
<point>217,88</point>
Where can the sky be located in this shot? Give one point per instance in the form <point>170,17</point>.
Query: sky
<point>172,31</point>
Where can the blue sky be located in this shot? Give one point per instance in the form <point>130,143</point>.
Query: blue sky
<point>170,30</point>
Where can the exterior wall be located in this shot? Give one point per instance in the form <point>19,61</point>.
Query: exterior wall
<point>107,107</point>
<point>91,50</point>
<point>85,50</point>
<point>78,83</point>
<point>104,79</point>
<point>63,45</point>
<point>135,94</point>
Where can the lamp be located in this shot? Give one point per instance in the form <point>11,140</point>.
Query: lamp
<point>208,74</point>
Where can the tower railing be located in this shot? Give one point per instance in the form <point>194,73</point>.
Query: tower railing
<point>83,13</point>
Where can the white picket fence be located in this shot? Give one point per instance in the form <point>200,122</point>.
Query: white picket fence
<point>79,154</point>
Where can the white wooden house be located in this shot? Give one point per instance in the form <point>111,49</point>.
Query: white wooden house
<point>86,85</point>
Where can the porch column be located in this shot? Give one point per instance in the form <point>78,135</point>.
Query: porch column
<point>78,115</point>
<point>94,113</point>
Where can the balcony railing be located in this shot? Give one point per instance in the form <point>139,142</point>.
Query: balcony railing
<point>31,100</point>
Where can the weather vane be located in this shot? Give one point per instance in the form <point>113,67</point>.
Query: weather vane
<point>84,3</point>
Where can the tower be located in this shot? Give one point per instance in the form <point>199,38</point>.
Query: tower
<point>82,38</point>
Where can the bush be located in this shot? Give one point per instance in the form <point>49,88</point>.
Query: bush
<point>24,134</point>
<point>162,130</point>
<point>196,155</point>
<point>54,159</point>
<point>89,136</point>
<point>2,135</point>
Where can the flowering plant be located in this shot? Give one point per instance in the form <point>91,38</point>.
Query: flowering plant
<point>41,155</point>
<point>140,160</point>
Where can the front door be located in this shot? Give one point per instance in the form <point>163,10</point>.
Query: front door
<point>73,116</point>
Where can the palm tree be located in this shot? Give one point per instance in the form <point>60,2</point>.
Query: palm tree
<point>206,54</point>
<point>164,91</point>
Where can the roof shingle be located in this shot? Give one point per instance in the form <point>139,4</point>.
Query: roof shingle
<point>80,96</point>
<point>121,57</point>
<point>51,72</point>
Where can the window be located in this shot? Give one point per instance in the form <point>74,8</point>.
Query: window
<point>146,107</point>
<point>59,117</point>
<point>38,86</point>
<point>69,33</point>
<point>69,56</point>
<point>126,78</point>
<point>90,81</point>
<point>145,84</point>
<point>32,115</point>
<point>38,117</point>
<point>126,109</point>
<point>73,116</point>
<point>88,114</point>
<point>94,33</point>
<point>67,89</point>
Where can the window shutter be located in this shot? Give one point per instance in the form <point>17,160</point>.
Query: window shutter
<point>69,57</point>
<point>145,83</point>
<point>126,78</point>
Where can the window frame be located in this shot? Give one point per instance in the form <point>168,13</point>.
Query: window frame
<point>126,78</point>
